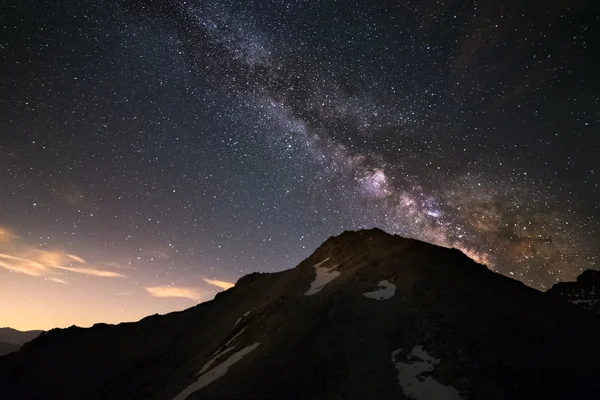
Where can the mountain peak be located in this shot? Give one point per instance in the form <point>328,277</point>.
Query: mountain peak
<point>367,315</point>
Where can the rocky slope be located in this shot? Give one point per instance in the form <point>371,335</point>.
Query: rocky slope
<point>582,292</point>
<point>368,315</point>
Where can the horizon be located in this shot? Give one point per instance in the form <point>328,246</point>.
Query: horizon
<point>167,311</point>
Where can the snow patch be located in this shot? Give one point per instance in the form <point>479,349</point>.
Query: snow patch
<point>587,303</point>
<point>412,381</point>
<point>227,349</point>
<point>324,276</point>
<point>210,362</point>
<point>387,290</point>
<point>216,372</point>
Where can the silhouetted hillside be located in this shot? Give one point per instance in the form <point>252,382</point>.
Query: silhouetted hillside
<point>368,315</point>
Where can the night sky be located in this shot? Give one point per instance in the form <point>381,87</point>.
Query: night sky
<point>152,152</point>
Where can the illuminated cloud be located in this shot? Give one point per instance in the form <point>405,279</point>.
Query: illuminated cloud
<point>57,280</point>
<point>28,260</point>
<point>92,271</point>
<point>49,258</point>
<point>20,268</point>
<point>76,258</point>
<point>9,257</point>
<point>23,265</point>
<point>174,291</point>
<point>221,284</point>
<point>6,235</point>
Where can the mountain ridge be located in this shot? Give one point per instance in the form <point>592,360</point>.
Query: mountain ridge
<point>12,339</point>
<point>6,348</point>
<point>584,292</point>
<point>15,336</point>
<point>449,324</point>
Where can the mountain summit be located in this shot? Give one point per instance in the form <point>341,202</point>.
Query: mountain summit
<point>367,316</point>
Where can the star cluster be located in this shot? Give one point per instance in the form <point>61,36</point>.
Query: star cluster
<point>181,143</point>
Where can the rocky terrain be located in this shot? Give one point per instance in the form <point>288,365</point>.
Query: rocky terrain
<point>367,315</point>
<point>12,339</point>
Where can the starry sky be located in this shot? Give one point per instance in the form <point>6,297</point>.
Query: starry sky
<point>154,151</point>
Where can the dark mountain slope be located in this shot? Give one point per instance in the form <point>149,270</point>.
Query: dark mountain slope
<point>445,328</point>
<point>582,292</point>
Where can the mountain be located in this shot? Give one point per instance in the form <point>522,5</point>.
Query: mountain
<point>6,348</point>
<point>14,336</point>
<point>581,292</point>
<point>12,339</point>
<point>367,315</point>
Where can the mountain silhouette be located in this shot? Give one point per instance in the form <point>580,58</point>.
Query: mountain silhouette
<point>12,339</point>
<point>367,316</point>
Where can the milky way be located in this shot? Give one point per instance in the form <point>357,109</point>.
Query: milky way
<point>184,142</point>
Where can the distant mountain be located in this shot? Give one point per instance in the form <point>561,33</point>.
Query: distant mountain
<point>14,336</point>
<point>6,348</point>
<point>367,316</point>
<point>585,292</point>
<point>12,339</point>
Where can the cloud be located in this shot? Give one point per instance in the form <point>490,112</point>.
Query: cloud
<point>174,291</point>
<point>76,258</point>
<point>23,265</point>
<point>24,269</point>
<point>57,280</point>
<point>26,259</point>
<point>6,235</point>
<point>92,271</point>
<point>222,284</point>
